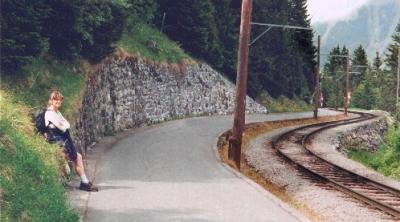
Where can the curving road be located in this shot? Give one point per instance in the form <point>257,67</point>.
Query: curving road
<point>171,172</point>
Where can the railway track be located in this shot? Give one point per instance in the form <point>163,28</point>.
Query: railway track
<point>292,145</point>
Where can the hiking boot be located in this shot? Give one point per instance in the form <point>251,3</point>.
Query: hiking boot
<point>88,187</point>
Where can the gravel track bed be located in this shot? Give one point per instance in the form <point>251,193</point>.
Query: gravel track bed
<point>329,205</point>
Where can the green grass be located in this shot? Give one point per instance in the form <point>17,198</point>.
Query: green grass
<point>33,85</point>
<point>29,169</point>
<point>283,104</point>
<point>386,160</point>
<point>149,42</point>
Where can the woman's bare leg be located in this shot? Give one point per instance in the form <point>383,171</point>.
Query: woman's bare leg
<point>79,168</point>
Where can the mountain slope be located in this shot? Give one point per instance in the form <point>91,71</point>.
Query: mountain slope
<point>371,26</point>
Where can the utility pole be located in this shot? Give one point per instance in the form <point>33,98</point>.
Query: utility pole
<point>317,95</point>
<point>162,23</point>
<point>346,92</point>
<point>337,89</point>
<point>235,142</point>
<point>398,81</point>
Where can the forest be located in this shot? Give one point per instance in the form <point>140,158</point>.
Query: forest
<point>282,63</point>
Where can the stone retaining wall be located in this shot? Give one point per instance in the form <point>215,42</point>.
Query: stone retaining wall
<point>366,135</point>
<point>131,92</point>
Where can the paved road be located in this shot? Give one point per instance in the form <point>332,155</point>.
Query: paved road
<point>170,172</point>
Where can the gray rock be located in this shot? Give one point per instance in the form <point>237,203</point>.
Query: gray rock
<point>133,92</point>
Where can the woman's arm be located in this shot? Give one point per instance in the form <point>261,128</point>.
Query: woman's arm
<point>57,120</point>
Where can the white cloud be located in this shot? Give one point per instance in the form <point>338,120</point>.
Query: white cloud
<point>330,10</point>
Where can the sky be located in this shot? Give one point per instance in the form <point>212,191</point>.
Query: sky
<point>331,10</point>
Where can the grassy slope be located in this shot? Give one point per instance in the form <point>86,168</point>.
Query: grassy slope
<point>386,159</point>
<point>29,172</point>
<point>152,44</point>
<point>29,175</point>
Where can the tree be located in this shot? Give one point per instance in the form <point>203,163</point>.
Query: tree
<point>359,64</point>
<point>80,28</point>
<point>302,44</point>
<point>389,87</point>
<point>392,51</point>
<point>331,82</point>
<point>21,27</point>
<point>107,24</point>
<point>227,17</point>
<point>365,96</point>
<point>192,24</point>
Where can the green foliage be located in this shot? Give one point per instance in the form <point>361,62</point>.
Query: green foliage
<point>333,77</point>
<point>78,28</point>
<point>107,22</point>
<point>365,96</point>
<point>21,28</point>
<point>150,43</point>
<point>392,51</point>
<point>226,21</point>
<point>283,104</point>
<point>281,62</point>
<point>109,131</point>
<point>359,63</point>
<point>191,23</point>
<point>141,11</point>
<point>29,176</point>
<point>386,159</point>
<point>68,30</point>
<point>39,78</point>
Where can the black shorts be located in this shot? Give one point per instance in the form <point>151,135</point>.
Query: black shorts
<point>70,149</point>
<point>65,141</point>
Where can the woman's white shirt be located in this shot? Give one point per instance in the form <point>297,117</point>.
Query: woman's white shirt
<point>57,120</point>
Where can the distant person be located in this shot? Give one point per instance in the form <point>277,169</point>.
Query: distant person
<point>58,132</point>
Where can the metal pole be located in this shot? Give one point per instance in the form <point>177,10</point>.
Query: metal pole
<point>317,95</point>
<point>346,96</point>
<point>235,142</point>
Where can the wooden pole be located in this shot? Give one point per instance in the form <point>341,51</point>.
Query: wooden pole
<point>346,92</point>
<point>235,142</point>
<point>317,95</point>
<point>337,90</point>
<point>398,81</point>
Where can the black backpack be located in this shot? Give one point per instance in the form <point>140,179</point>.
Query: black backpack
<point>38,120</point>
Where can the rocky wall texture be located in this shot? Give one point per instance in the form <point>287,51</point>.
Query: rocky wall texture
<point>131,92</point>
<point>366,135</point>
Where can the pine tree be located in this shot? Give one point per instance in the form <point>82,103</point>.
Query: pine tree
<point>330,82</point>
<point>192,24</point>
<point>226,19</point>
<point>302,42</point>
<point>21,28</point>
<point>359,64</point>
<point>365,96</point>
<point>391,56</point>
<point>389,85</point>
<point>77,28</point>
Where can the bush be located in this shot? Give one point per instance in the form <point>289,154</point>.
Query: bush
<point>283,104</point>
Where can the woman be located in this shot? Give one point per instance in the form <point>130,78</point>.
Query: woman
<point>58,132</point>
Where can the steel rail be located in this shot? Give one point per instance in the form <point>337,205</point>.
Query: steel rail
<point>344,173</point>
